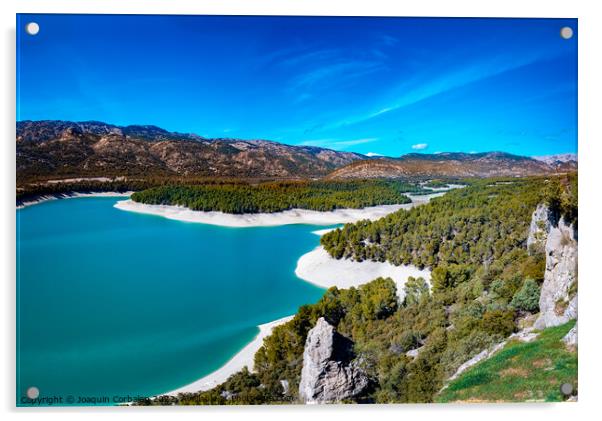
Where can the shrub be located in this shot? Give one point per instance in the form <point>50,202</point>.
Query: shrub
<point>408,340</point>
<point>534,267</point>
<point>498,322</point>
<point>462,350</point>
<point>527,298</point>
<point>504,289</point>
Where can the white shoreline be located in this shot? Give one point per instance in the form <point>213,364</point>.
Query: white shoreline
<point>244,358</point>
<point>319,268</point>
<point>292,216</point>
<point>71,195</point>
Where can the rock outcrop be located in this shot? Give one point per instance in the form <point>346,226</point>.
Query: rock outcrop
<point>329,372</point>
<point>570,339</point>
<point>558,299</point>
<point>538,231</point>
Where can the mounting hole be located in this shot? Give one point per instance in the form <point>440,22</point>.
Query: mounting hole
<point>566,389</point>
<point>32,28</point>
<point>566,32</point>
<point>33,392</point>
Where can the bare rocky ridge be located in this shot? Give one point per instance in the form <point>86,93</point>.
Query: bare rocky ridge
<point>62,148</point>
<point>329,373</point>
<point>489,164</point>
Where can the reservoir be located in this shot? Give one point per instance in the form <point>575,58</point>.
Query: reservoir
<point>113,303</point>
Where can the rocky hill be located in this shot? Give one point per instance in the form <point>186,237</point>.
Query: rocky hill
<point>488,164</point>
<point>558,158</point>
<point>561,162</point>
<point>48,149</point>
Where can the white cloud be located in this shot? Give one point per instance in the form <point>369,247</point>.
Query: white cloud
<point>371,154</point>
<point>328,74</point>
<point>420,146</point>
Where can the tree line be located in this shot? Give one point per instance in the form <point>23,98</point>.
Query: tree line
<point>238,198</point>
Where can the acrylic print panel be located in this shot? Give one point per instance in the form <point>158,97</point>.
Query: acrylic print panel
<point>223,210</point>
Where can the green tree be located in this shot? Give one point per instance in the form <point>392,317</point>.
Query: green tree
<point>379,298</point>
<point>415,289</point>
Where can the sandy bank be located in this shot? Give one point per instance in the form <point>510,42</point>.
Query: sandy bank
<point>322,232</point>
<point>293,216</point>
<point>71,195</point>
<point>319,268</point>
<point>244,358</point>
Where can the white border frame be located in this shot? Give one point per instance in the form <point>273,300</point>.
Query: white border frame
<point>590,151</point>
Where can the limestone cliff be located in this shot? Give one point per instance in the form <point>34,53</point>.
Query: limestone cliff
<point>539,228</point>
<point>558,300</point>
<point>329,373</point>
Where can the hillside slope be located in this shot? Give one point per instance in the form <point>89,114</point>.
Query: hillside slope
<point>47,149</point>
<point>519,372</point>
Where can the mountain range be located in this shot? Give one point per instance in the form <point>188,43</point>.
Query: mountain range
<point>451,164</point>
<point>63,148</point>
<point>58,149</point>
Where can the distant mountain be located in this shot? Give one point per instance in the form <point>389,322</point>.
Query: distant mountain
<point>553,159</point>
<point>560,162</point>
<point>449,164</point>
<point>62,148</point>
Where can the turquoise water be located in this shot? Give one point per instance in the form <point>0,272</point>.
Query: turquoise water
<point>113,303</point>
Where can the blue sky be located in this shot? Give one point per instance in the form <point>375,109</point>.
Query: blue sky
<point>385,86</point>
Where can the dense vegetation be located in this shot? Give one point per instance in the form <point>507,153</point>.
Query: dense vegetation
<point>520,372</point>
<point>485,285</point>
<point>474,225</point>
<point>279,196</point>
<point>436,184</point>
<point>34,191</point>
<point>39,187</point>
<point>466,224</point>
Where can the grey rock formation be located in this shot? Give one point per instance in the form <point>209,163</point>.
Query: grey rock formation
<point>557,303</point>
<point>538,231</point>
<point>413,353</point>
<point>570,339</point>
<point>329,374</point>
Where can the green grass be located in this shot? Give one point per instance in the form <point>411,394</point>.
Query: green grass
<point>519,372</point>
